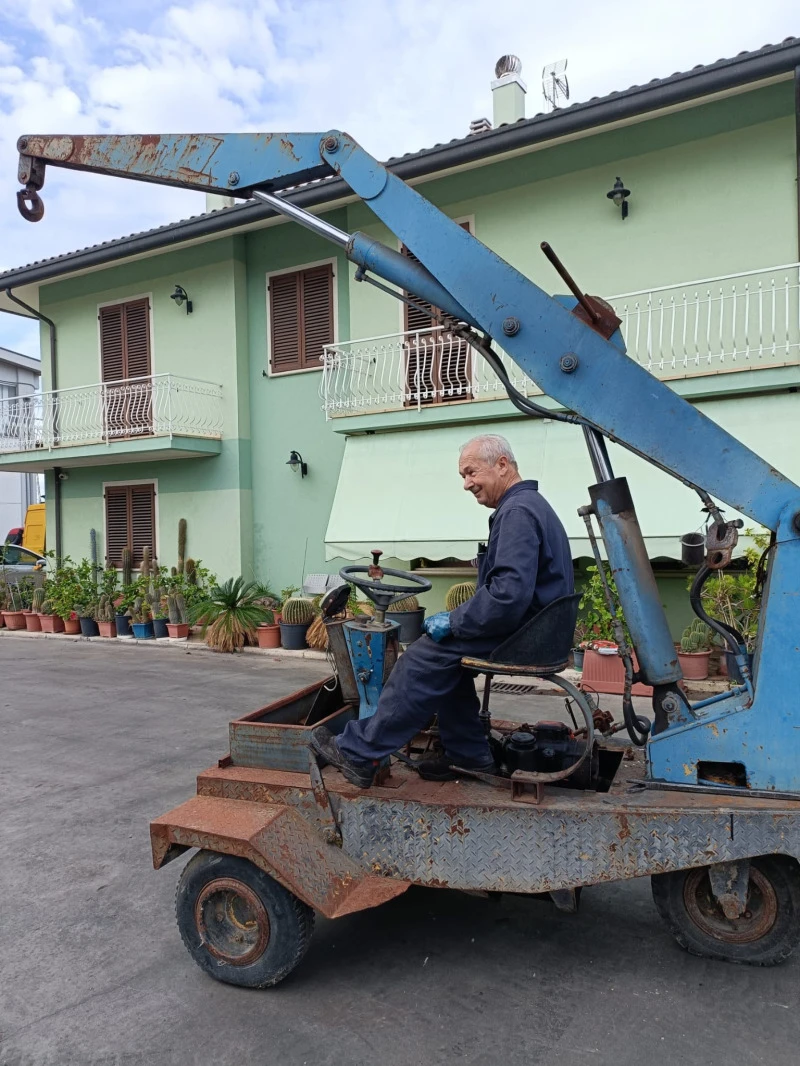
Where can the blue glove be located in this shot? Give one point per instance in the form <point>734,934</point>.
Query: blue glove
<point>438,626</point>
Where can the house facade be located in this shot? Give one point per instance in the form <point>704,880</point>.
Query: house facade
<point>150,414</point>
<point>19,382</point>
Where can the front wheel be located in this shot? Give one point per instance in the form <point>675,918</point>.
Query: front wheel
<point>764,935</point>
<point>238,923</point>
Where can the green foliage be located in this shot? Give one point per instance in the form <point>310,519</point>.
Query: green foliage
<point>229,614</point>
<point>297,611</point>
<point>730,595</point>
<point>109,580</point>
<point>696,637</point>
<point>458,594</point>
<point>22,593</point>
<point>63,589</point>
<point>410,603</point>
<point>140,612</point>
<point>595,622</point>
<point>288,592</point>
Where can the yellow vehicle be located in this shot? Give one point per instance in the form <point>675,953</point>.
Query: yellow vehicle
<point>33,534</point>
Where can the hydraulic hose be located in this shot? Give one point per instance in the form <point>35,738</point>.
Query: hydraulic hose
<point>731,636</point>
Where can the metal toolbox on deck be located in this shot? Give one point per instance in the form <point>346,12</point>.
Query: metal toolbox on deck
<point>276,736</point>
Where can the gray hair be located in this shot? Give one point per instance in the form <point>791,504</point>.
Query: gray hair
<point>490,447</point>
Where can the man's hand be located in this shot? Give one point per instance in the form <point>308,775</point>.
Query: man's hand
<point>438,626</point>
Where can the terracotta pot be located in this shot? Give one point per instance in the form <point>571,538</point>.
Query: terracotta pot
<point>606,673</point>
<point>694,664</point>
<point>2,621</point>
<point>72,626</point>
<point>178,630</point>
<point>107,629</point>
<point>32,622</point>
<point>14,620</point>
<point>51,623</point>
<point>269,636</point>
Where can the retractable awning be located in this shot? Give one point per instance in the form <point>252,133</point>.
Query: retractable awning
<point>400,491</point>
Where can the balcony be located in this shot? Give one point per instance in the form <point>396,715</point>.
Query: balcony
<point>712,326</point>
<point>158,417</point>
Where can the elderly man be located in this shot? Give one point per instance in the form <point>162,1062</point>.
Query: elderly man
<point>526,565</point>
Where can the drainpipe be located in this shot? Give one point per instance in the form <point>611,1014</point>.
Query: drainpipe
<point>53,385</point>
<point>797,146</point>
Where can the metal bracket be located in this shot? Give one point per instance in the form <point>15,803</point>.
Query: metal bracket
<point>329,827</point>
<point>566,899</point>
<point>729,884</point>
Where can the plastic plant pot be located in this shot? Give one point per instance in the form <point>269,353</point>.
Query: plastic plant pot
<point>178,630</point>
<point>32,622</point>
<point>107,629</point>
<point>410,623</point>
<point>577,658</point>
<point>143,630</point>
<point>123,624</point>
<point>89,627</point>
<point>160,628</point>
<point>293,635</point>
<point>269,636</point>
<point>51,623</point>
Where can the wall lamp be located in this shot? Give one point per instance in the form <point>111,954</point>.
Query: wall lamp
<point>295,461</point>
<point>619,194</point>
<point>181,297</point>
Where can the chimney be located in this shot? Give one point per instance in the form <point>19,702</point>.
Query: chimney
<point>479,125</point>
<point>215,202</point>
<point>508,91</point>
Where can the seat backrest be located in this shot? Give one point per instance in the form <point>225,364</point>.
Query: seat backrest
<point>545,640</point>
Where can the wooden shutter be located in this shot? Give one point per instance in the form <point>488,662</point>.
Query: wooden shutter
<point>112,349</point>
<point>438,366</point>
<point>125,340</point>
<point>130,522</point>
<point>301,318</point>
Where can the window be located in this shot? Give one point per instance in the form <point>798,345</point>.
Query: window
<point>14,555</point>
<point>300,318</point>
<point>126,367</point>
<point>130,521</point>
<point>438,365</point>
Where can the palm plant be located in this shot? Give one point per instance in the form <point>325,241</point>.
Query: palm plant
<point>229,614</point>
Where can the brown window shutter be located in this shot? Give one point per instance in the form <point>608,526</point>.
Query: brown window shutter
<point>130,522</point>
<point>112,359</point>
<point>137,339</point>
<point>284,316</point>
<point>117,523</point>
<point>317,291</point>
<point>143,521</point>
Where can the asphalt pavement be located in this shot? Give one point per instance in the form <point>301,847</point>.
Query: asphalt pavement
<point>98,739</point>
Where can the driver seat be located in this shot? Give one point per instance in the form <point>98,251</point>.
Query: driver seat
<point>540,648</point>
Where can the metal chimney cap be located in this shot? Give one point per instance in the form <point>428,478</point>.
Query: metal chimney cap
<point>506,65</point>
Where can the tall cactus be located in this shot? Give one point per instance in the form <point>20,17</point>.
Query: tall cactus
<point>181,544</point>
<point>105,609</point>
<point>146,568</point>
<point>178,614</point>
<point>93,554</point>
<point>127,566</point>
<point>190,572</point>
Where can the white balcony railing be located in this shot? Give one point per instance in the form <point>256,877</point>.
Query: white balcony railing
<point>157,406</point>
<point>712,326</point>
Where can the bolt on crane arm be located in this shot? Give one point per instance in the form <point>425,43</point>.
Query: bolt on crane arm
<point>572,361</point>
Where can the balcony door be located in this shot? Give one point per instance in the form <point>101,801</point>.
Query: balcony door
<point>437,365</point>
<point>126,370</point>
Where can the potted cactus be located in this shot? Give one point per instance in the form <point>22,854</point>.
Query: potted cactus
<point>33,620</point>
<point>458,594</point>
<point>178,624</point>
<point>104,616</point>
<point>124,601</point>
<point>140,615</point>
<point>297,614</point>
<point>694,651</point>
<point>12,609</point>
<point>409,616</point>
<point>49,621</point>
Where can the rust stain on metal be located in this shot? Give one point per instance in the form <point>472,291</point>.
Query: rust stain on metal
<point>288,148</point>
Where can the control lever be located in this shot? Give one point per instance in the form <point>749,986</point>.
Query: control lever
<point>591,309</point>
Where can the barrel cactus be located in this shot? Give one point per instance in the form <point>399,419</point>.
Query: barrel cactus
<point>696,638</point>
<point>410,603</point>
<point>458,594</point>
<point>297,611</point>
<point>37,601</point>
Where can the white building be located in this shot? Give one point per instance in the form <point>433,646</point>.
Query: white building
<point>19,376</point>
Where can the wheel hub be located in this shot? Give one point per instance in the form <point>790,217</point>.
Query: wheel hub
<point>232,921</point>
<point>758,918</point>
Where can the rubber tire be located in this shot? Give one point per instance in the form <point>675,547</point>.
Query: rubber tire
<point>774,947</point>
<point>291,921</point>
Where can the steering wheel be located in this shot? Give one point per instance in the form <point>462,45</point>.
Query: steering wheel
<point>383,595</point>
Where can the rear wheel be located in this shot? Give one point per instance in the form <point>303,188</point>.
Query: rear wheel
<point>764,935</point>
<point>238,923</point>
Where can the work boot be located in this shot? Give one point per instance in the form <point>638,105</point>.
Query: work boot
<point>438,768</point>
<point>324,743</point>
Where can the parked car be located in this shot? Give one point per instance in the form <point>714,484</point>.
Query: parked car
<point>16,561</point>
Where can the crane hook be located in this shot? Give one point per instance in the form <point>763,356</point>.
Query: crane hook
<point>30,196</point>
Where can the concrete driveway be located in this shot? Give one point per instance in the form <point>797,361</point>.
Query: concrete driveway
<point>97,739</point>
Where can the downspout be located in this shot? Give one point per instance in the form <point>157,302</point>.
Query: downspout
<point>797,148</point>
<point>53,385</point>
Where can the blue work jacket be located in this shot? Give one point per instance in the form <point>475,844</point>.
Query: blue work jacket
<point>527,564</point>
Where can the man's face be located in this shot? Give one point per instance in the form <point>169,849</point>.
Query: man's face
<point>486,481</point>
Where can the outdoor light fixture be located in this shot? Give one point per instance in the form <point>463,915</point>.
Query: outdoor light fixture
<point>295,461</point>
<point>181,297</point>
<point>619,194</point>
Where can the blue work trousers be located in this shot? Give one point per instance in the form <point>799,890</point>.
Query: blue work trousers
<point>428,680</point>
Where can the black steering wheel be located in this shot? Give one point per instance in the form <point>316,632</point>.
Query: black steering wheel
<point>381,594</point>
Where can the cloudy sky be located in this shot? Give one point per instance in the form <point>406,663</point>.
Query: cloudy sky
<point>397,74</point>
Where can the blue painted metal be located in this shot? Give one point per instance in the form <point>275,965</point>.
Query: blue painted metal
<point>597,380</point>
<point>719,697</point>
<point>366,645</point>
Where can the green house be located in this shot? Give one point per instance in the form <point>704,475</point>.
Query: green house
<point>150,414</point>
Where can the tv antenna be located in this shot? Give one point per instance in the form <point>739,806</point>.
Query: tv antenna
<point>555,86</point>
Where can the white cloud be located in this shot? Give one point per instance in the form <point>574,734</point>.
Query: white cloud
<point>398,74</point>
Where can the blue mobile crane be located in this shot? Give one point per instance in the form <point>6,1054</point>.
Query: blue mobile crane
<point>712,811</point>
